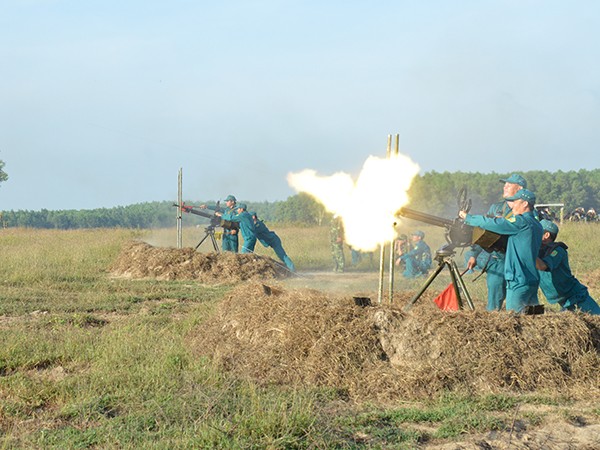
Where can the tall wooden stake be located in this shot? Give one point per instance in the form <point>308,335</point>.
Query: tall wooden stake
<point>382,245</point>
<point>179,203</point>
<point>392,252</point>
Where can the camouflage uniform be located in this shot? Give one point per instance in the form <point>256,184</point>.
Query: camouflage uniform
<point>336,237</point>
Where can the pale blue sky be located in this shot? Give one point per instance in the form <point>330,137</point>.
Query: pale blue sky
<point>102,102</point>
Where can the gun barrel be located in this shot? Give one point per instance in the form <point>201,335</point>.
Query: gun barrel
<point>424,217</point>
<point>458,233</point>
<point>190,209</point>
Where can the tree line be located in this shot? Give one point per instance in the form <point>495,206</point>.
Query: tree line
<point>434,193</point>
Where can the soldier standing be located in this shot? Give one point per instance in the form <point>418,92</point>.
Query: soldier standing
<point>336,237</point>
<point>493,262</point>
<point>246,226</point>
<point>230,237</point>
<point>524,240</point>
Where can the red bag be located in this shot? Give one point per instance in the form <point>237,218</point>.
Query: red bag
<point>447,300</point>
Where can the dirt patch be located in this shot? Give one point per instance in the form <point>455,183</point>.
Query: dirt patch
<point>380,352</point>
<point>141,260</point>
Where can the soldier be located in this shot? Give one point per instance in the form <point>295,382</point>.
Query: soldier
<point>524,240</point>
<point>269,238</point>
<point>401,247</point>
<point>230,237</point>
<point>336,237</point>
<point>418,260</point>
<point>591,215</point>
<point>493,262</point>
<point>556,280</point>
<point>355,255</point>
<point>246,227</point>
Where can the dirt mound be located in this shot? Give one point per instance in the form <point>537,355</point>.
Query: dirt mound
<point>141,260</point>
<point>308,337</point>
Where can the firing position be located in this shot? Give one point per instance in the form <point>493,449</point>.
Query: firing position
<point>493,262</point>
<point>418,260</point>
<point>269,238</point>
<point>230,237</point>
<point>556,280</point>
<point>247,228</point>
<point>524,240</point>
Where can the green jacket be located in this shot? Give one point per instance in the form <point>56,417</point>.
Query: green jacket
<point>524,241</point>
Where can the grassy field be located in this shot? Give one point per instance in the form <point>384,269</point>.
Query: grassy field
<point>91,361</point>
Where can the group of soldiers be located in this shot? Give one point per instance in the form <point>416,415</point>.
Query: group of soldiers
<point>250,227</point>
<point>533,259</point>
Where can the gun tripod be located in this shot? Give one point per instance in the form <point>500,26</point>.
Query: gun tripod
<point>209,232</point>
<point>445,258</point>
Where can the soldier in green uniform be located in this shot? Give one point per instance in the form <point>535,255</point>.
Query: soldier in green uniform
<point>336,238</point>
<point>269,238</point>
<point>230,237</point>
<point>556,280</point>
<point>247,228</point>
<point>493,262</point>
<point>524,240</point>
<point>418,260</point>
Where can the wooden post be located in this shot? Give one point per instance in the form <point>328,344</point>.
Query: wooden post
<point>179,203</point>
<point>382,245</point>
<point>392,253</point>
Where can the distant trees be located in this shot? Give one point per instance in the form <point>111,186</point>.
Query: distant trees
<point>3,174</point>
<point>143,215</point>
<point>300,208</point>
<point>434,193</point>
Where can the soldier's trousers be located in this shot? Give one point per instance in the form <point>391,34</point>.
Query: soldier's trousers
<point>230,243</point>
<point>519,296</point>
<point>496,284</point>
<point>337,252</point>
<point>280,252</point>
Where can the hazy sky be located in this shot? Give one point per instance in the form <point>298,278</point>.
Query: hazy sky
<point>103,101</point>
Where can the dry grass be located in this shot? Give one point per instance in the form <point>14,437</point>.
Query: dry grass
<point>141,260</point>
<point>306,337</point>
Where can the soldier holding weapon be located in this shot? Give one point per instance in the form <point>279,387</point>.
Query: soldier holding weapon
<point>524,240</point>
<point>246,223</point>
<point>493,261</point>
<point>230,237</point>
